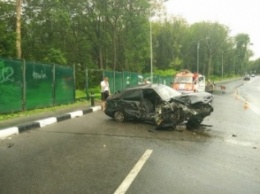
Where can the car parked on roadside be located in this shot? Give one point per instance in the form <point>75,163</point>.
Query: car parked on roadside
<point>159,104</point>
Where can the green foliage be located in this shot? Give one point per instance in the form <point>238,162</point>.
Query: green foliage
<point>168,43</point>
<point>115,35</point>
<point>55,56</point>
<point>80,94</point>
<point>95,90</point>
<point>7,29</point>
<point>167,72</point>
<point>4,117</point>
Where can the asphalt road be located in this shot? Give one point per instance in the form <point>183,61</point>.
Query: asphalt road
<point>250,92</point>
<point>95,154</point>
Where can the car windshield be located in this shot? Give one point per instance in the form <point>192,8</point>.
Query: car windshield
<point>183,80</point>
<point>166,92</point>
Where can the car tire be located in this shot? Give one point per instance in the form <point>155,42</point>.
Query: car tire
<point>119,116</point>
<point>210,89</point>
<point>194,122</point>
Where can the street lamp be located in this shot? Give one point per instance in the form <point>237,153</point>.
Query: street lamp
<point>151,50</point>
<point>222,64</point>
<point>198,50</point>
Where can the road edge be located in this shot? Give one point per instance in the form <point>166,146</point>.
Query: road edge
<point>15,130</point>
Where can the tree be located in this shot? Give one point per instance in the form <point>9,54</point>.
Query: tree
<point>114,34</point>
<point>7,29</point>
<point>242,53</point>
<point>168,43</point>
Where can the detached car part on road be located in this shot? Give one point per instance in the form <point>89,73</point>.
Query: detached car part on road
<point>159,104</point>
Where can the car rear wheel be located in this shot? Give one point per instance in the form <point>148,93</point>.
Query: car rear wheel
<point>119,116</point>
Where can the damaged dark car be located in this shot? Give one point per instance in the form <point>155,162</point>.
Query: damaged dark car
<point>161,105</point>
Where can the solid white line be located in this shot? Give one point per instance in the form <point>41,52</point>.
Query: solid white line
<point>8,132</point>
<point>254,108</point>
<point>251,106</point>
<point>133,173</point>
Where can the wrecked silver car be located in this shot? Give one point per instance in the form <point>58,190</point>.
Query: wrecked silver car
<point>159,104</point>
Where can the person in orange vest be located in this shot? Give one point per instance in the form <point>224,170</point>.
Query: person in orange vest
<point>195,76</point>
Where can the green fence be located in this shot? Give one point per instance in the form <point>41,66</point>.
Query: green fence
<point>28,85</point>
<point>119,81</point>
<point>10,85</point>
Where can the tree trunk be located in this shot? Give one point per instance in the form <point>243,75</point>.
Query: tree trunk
<point>101,66</point>
<point>114,50</point>
<point>209,66</point>
<point>18,28</point>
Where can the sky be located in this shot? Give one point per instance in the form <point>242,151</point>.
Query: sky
<point>241,16</point>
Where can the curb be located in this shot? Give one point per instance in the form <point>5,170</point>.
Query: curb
<point>4,133</point>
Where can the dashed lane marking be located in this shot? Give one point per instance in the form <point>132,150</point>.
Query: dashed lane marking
<point>133,173</point>
<point>241,143</point>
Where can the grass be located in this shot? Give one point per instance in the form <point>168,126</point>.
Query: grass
<point>80,96</point>
<point>4,117</point>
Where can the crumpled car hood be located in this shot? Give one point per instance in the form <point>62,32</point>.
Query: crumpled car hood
<point>193,98</point>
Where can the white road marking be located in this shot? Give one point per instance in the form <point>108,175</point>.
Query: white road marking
<point>251,106</point>
<point>133,173</point>
<point>242,143</point>
<point>254,108</point>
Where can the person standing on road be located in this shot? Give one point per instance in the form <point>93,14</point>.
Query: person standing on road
<point>105,91</point>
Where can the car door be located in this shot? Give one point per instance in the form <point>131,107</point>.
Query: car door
<point>201,84</point>
<point>130,103</point>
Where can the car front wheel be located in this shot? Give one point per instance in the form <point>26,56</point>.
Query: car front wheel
<point>119,116</point>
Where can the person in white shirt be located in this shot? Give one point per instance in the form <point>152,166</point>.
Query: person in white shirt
<point>105,91</point>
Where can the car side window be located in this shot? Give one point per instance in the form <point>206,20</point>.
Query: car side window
<point>132,95</point>
<point>201,79</point>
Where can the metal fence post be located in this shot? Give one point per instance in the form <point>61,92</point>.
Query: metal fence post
<point>74,82</point>
<point>86,83</point>
<point>123,79</point>
<point>114,81</point>
<point>53,84</point>
<point>23,86</point>
<point>92,98</point>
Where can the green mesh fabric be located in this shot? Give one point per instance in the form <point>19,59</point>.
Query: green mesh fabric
<point>10,86</point>
<point>93,80</point>
<point>130,79</point>
<point>39,85</point>
<point>166,80</point>
<point>147,77</point>
<point>118,81</point>
<point>64,85</point>
<point>118,84</point>
<point>34,85</point>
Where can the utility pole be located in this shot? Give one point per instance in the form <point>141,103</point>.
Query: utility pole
<point>18,28</point>
<point>222,63</point>
<point>198,52</point>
